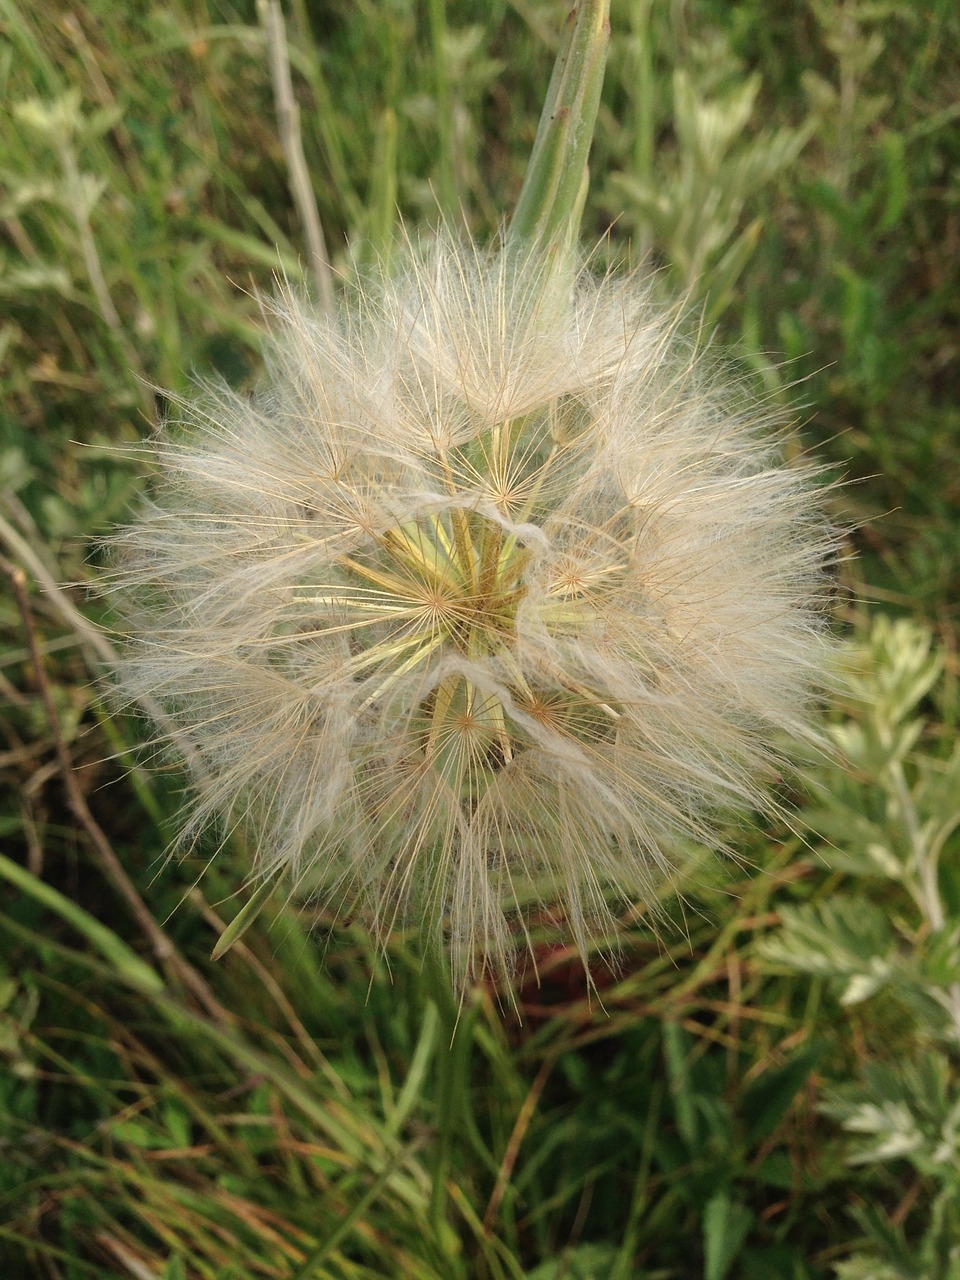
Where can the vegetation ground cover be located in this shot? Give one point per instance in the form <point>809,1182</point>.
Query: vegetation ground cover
<point>769,1088</point>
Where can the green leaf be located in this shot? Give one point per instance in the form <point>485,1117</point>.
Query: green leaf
<point>174,1270</point>
<point>136,1134</point>
<point>247,914</point>
<point>584,1262</point>
<point>893,150</point>
<point>768,1100</point>
<point>126,962</point>
<point>676,1048</point>
<point>847,938</point>
<point>725,1227</point>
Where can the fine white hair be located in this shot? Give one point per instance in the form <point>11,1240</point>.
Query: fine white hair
<point>494,597</point>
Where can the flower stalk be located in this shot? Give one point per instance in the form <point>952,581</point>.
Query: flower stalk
<point>554,189</point>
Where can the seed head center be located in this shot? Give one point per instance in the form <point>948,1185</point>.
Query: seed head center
<point>464,575</point>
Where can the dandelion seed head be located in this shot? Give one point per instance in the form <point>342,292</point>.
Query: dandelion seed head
<point>491,597</point>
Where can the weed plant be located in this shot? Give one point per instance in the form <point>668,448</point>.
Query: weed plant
<point>767,1084</point>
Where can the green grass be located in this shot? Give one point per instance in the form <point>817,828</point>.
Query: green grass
<point>291,1116</point>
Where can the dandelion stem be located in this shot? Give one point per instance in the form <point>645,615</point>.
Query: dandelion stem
<point>551,198</point>
<point>453,1069</point>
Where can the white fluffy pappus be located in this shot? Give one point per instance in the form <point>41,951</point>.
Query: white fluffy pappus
<point>490,598</point>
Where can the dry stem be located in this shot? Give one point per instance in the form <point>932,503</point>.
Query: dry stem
<point>288,121</point>
<point>163,948</point>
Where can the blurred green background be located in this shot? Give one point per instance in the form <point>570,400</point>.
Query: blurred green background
<point>770,1087</point>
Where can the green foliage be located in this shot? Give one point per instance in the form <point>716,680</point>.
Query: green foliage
<point>891,812</point>
<point>692,205</point>
<point>788,1048</point>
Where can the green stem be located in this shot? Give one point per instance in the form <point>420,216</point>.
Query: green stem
<point>551,199</point>
<point>454,1046</point>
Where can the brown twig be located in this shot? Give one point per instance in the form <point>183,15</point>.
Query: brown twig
<point>163,948</point>
<point>515,1141</point>
<point>96,646</point>
<point>288,121</point>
